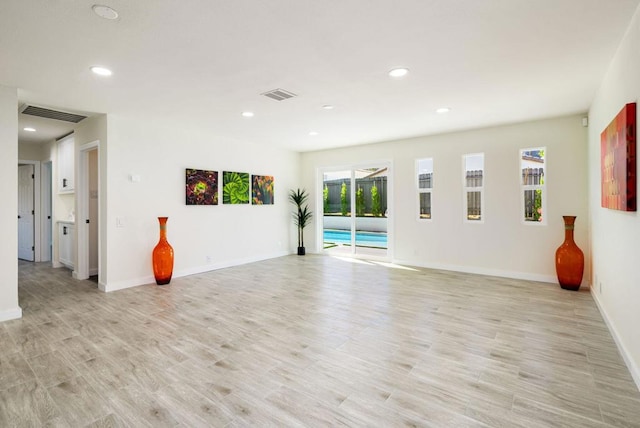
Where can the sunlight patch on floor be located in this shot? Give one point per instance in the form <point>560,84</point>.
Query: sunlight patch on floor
<point>352,260</point>
<point>374,262</point>
<point>394,266</point>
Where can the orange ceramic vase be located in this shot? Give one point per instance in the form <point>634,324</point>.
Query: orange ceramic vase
<point>569,258</point>
<point>163,256</point>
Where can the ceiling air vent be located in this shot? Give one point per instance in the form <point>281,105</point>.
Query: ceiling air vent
<point>279,94</point>
<point>52,114</point>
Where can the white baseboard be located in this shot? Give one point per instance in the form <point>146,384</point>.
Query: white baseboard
<point>482,271</point>
<point>121,285</point>
<point>626,355</point>
<point>11,314</point>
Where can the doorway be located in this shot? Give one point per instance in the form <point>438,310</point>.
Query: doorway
<point>355,219</point>
<point>88,219</point>
<point>26,212</point>
<point>93,211</point>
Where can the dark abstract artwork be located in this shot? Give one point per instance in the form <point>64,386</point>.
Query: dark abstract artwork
<point>618,161</point>
<point>235,187</point>
<point>201,187</point>
<point>262,189</point>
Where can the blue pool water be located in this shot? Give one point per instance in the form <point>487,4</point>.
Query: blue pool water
<point>369,239</point>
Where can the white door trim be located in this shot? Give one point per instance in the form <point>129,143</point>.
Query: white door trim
<point>46,224</point>
<point>82,209</point>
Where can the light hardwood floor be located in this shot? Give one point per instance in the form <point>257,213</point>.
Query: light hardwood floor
<point>310,341</point>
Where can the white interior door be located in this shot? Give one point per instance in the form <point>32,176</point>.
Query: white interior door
<point>26,212</point>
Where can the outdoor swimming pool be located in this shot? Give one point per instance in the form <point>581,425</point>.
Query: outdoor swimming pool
<point>367,239</point>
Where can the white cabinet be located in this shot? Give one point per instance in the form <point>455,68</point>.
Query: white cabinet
<point>66,165</point>
<point>66,240</point>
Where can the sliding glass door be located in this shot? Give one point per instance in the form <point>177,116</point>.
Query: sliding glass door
<point>336,202</point>
<point>355,220</point>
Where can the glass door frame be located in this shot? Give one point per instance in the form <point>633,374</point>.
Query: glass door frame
<point>320,171</point>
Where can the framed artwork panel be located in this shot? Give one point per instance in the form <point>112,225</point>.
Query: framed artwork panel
<point>201,187</point>
<point>235,187</point>
<point>262,189</point>
<point>618,161</point>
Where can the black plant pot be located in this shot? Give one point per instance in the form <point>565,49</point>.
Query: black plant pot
<point>301,251</point>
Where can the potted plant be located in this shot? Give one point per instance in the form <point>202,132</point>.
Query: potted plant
<point>301,216</point>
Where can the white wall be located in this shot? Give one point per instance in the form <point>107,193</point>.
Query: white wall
<point>616,234</point>
<point>502,245</point>
<point>159,152</point>
<point>9,308</point>
<point>30,151</point>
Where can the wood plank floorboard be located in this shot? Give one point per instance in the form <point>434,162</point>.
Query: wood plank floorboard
<point>310,341</point>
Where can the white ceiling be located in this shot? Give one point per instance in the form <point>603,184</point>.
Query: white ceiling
<point>198,64</point>
<point>47,129</point>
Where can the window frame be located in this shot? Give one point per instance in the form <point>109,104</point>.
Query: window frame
<point>422,190</point>
<point>526,187</point>
<point>467,189</point>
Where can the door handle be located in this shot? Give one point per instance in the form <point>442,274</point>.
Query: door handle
<point>19,216</point>
<point>64,230</point>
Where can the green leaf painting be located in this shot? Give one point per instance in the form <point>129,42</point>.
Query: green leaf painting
<point>235,187</point>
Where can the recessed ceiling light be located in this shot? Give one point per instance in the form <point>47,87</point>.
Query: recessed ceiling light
<point>247,113</point>
<point>327,107</point>
<point>101,71</point>
<point>313,133</point>
<point>30,129</point>
<point>398,72</point>
<point>443,110</point>
<point>104,11</point>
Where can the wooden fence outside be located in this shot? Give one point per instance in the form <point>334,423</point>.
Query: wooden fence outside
<point>532,198</point>
<point>335,189</point>
<point>475,178</point>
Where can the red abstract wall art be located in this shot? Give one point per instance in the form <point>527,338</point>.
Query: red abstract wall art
<point>201,187</point>
<point>618,161</point>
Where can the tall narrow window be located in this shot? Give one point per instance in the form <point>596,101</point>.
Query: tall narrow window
<point>424,169</point>
<point>532,184</point>
<point>473,180</point>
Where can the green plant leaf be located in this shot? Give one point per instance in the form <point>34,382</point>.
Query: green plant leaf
<point>302,215</point>
<point>236,188</point>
